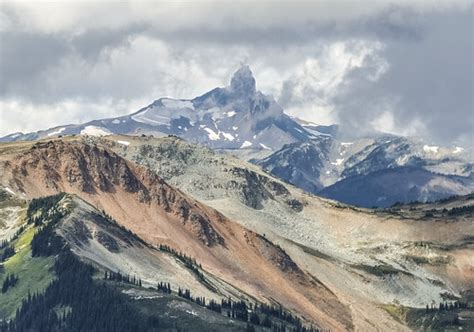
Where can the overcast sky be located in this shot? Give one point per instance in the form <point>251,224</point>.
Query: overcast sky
<point>401,66</point>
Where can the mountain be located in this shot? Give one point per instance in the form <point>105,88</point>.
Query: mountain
<point>240,120</point>
<point>234,117</point>
<point>165,210</point>
<point>127,283</point>
<point>318,234</point>
<point>401,184</point>
<point>160,214</point>
<point>373,171</point>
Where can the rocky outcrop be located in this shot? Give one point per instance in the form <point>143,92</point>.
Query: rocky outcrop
<point>94,170</point>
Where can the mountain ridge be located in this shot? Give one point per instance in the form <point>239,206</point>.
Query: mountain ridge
<point>241,120</point>
<point>141,201</point>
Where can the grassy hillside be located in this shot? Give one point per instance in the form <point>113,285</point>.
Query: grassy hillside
<point>34,274</point>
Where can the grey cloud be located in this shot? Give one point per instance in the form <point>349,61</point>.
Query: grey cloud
<point>92,42</point>
<point>429,53</point>
<point>429,79</point>
<point>24,56</point>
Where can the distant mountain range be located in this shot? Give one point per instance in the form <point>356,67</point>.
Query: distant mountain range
<point>241,120</point>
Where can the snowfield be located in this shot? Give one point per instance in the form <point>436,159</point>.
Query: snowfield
<point>246,144</point>
<point>212,134</point>
<point>338,162</point>
<point>95,131</point>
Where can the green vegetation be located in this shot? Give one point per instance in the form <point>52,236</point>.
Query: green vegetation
<point>33,274</point>
<point>9,282</point>
<point>46,287</point>
<point>444,317</point>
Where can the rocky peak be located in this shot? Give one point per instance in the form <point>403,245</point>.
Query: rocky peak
<point>243,82</point>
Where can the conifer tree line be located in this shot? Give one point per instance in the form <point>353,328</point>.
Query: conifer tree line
<point>447,306</point>
<point>6,243</point>
<point>91,305</point>
<point>39,208</point>
<point>95,307</point>
<point>106,218</point>
<point>8,252</point>
<point>119,277</point>
<point>188,261</point>
<point>164,287</point>
<point>9,282</point>
<point>256,314</point>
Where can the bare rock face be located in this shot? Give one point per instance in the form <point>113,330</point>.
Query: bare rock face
<point>243,82</point>
<point>95,170</point>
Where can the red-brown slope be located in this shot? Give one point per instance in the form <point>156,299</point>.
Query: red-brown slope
<point>159,213</point>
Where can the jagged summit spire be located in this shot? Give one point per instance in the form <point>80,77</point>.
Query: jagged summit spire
<point>243,82</point>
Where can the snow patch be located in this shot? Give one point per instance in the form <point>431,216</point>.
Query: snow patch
<point>212,134</point>
<point>433,149</point>
<point>402,160</point>
<point>246,144</point>
<point>60,130</point>
<point>227,136</point>
<point>9,190</point>
<point>95,131</point>
<point>231,114</point>
<point>116,121</point>
<point>346,143</point>
<point>123,142</point>
<point>338,162</point>
<point>458,149</point>
<point>235,128</point>
<point>192,312</point>
<point>265,147</point>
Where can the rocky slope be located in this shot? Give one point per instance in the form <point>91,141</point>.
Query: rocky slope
<point>367,257</point>
<point>336,265</point>
<point>56,226</point>
<point>160,214</point>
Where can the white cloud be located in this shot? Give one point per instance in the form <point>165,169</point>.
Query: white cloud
<point>314,84</point>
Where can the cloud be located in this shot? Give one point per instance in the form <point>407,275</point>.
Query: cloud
<point>313,86</point>
<point>392,65</point>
